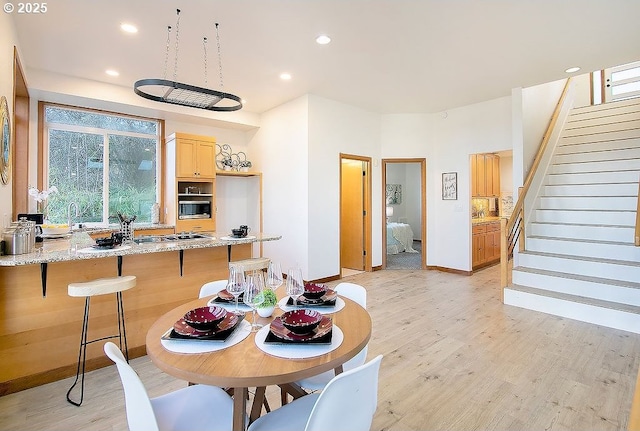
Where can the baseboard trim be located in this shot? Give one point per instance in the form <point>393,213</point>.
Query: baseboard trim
<point>39,379</point>
<point>450,270</point>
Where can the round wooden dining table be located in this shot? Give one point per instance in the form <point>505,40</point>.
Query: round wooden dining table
<point>244,365</point>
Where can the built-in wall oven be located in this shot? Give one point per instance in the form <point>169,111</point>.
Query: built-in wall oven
<point>194,209</point>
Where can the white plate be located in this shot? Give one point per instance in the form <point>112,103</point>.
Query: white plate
<point>297,350</point>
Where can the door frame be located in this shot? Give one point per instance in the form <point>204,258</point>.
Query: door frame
<point>368,267</point>
<point>423,206</point>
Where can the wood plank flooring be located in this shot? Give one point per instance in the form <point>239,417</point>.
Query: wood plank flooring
<point>455,358</point>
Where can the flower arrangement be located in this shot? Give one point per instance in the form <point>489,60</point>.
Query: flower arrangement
<point>41,197</point>
<point>245,164</point>
<point>227,162</point>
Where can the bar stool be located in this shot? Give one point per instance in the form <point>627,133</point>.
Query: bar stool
<point>252,264</point>
<point>101,286</point>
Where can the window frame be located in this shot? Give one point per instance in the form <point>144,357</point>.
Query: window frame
<point>43,150</point>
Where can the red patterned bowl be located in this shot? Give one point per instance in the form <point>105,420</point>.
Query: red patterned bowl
<point>204,318</point>
<point>314,291</point>
<point>301,321</point>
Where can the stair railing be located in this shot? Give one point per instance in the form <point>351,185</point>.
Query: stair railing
<point>512,231</point>
<point>637,241</point>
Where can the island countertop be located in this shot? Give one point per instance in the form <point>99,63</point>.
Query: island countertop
<point>79,246</point>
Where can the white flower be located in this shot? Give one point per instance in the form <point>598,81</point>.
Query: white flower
<point>40,196</point>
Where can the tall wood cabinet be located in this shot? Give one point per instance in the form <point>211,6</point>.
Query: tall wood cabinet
<point>190,175</point>
<point>485,175</point>
<point>485,244</point>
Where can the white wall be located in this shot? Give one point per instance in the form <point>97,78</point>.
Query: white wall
<point>409,210</point>
<point>8,39</point>
<point>336,128</point>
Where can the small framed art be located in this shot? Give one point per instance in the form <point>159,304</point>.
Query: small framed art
<point>450,186</point>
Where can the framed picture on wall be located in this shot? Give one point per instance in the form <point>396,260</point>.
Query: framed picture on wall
<point>450,186</point>
<point>394,194</point>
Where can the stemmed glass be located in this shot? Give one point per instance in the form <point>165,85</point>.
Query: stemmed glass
<point>253,295</point>
<point>236,283</point>
<point>295,286</point>
<point>274,275</point>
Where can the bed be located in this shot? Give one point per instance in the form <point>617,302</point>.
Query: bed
<point>399,238</point>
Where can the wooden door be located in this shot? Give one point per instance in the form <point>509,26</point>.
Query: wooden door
<point>185,158</point>
<point>352,214</point>
<point>206,160</point>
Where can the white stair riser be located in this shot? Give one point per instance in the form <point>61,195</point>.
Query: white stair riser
<point>598,146</point>
<point>587,232</point>
<point>572,310</point>
<point>605,109</point>
<point>572,286</point>
<point>600,137</point>
<point>596,156</point>
<point>594,177</point>
<point>628,252</point>
<point>574,122</point>
<point>581,267</point>
<point>616,218</point>
<point>613,165</point>
<point>625,203</point>
<point>606,125</point>
<point>611,189</point>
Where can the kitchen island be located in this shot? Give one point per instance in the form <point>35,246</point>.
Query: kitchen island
<point>40,324</point>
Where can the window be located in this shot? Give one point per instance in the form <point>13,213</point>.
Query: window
<point>106,163</point>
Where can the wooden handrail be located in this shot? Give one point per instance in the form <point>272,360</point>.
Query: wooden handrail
<point>638,218</point>
<point>634,415</point>
<point>514,228</point>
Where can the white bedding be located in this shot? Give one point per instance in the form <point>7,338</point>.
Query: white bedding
<point>399,238</point>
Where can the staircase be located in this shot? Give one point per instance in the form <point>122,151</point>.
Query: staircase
<point>580,260</point>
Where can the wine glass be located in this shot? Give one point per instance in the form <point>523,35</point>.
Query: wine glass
<point>253,295</point>
<point>235,286</point>
<point>295,286</point>
<point>274,275</point>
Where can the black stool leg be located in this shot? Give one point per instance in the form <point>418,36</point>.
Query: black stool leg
<point>122,331</point>
<point>82,355</point>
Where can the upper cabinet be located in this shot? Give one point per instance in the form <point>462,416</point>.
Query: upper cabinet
<point>485,175</point>
<point>195,156</point>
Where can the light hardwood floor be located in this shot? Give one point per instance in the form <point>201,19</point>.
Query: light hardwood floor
<point>455,358</point>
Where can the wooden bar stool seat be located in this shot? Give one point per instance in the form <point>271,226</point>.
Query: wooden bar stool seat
<point>252,264</point>
<point>101,286</point>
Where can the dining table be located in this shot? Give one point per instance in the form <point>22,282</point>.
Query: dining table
<point>247,362</point>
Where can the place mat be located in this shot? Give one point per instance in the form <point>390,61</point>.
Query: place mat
<point>232,238</point>
<point>241,332</point>
<point>228,305</point>
<point>321,308</point>
<point>297,350</point>
<point>102,250</point>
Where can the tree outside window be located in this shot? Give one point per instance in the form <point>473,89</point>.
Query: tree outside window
<point>106,163</point>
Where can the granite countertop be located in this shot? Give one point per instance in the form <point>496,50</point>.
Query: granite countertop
<point>115,227</point>
<point>485,220</point>
<point>78,247</point>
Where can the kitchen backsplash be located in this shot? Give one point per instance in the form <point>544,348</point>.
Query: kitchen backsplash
<point>484,207</point>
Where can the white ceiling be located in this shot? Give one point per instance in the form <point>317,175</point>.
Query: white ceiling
<point>387,56</point>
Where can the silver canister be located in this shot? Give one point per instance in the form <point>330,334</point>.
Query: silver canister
<point>17,240</point>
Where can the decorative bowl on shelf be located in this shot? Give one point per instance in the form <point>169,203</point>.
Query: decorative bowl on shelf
<point>314,291</point>
<point>204,318</point>
<point>301,321</point>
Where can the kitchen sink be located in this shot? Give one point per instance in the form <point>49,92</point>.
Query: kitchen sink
<point>144,239</point>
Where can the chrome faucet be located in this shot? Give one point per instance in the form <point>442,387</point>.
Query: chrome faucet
<point>69,217</point>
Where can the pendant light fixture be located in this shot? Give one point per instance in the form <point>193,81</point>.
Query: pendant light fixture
<point>177,93</point>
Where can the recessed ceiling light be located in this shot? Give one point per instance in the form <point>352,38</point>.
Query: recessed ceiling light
<point>323,39</point>
<point>572,69</point>
<point>285,76</point>
<point>128,28</point>
<point>112,72</point>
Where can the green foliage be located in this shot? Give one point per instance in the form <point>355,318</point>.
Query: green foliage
<point>270,298</point>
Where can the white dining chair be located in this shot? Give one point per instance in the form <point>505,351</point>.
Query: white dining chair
<point>197,407</point>
<point>212,288</point>
<point>348,402</point>
<point>356,293</point>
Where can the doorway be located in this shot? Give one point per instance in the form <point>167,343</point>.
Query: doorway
<point>355,214</point>
<point>404,234</point>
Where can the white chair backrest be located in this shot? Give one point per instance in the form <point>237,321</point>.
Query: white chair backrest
<point>349,400</point>
<point>353,291</point>
<point>140,415</point>
<point>212,287</point>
